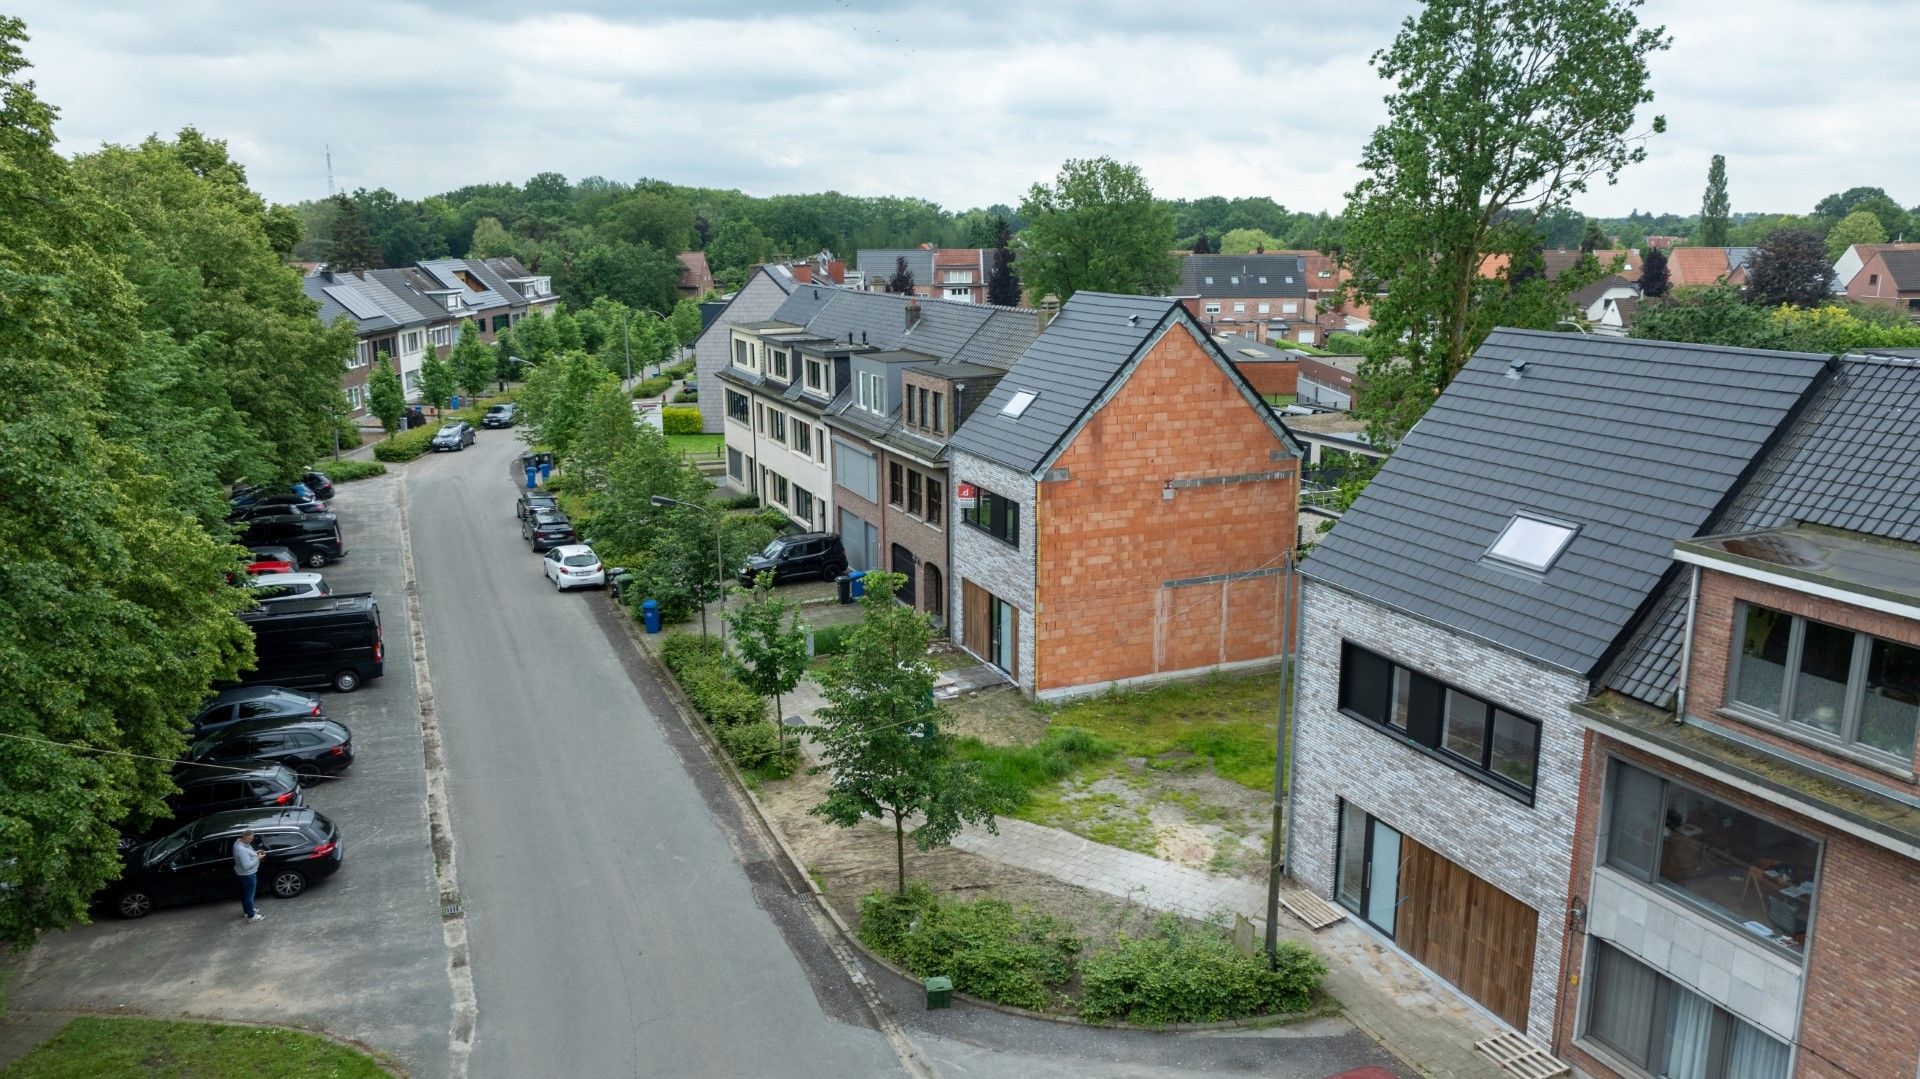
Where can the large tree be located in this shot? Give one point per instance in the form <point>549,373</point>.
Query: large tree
<point>902,279</point>
<point>1503,111</point>
<point>1858,227</point>
<point>1715,207</point>
<point>386,398</point>
<point>1003,287</point>
<point>1791,267</point>
<point>1655,278</point>
<point>471,360</point>
<point>350,246</point>
<point>114,616</point>
<point>1097,227</point>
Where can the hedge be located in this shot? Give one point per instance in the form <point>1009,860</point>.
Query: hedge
<point>1185,974</point>
<point>652,387</point>
<point>989,949</point>
<point>737,714</point>
<point>680,421</point>
<point>348,469</point>
<point>406,445</point>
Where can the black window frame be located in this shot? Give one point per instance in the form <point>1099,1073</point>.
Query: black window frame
<point>739,407</point>
<point>997,516</point>
<point>1410,707</point>
<point>1783,718</point>
<point>936,501</point>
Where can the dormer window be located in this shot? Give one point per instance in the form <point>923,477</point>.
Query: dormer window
<point>1531,542</point>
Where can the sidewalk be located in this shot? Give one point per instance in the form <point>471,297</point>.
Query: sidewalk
<point>1398,1004</point>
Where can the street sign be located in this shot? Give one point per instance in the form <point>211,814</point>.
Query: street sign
<point>966,495</point>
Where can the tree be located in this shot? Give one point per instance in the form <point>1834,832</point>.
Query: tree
<point>283,230</point>
<point>1593,239</point>
<point>437,380</point>
<point>1097,228</point>
<point>1791,267</point>
<point>1503,111</point>
<point>1655,280</point>
<point>491,240</point>
<point>1714,206</point>
<point>883,740</point>
<point>1201,246</point>
<point>1897,223</point>
<point>769,646</point>
<point>1707,315</point>
<point>607,428</point>
<point>645,217</point>
<point>1248,241</point>
<point>1003,288</point>
<point>1858,227</point>
<point>737,246</point>
<point>472,362</point>
<point>902,279</point>
<point>685,321</point>
<point>385,397</point>
<point>350,246</point>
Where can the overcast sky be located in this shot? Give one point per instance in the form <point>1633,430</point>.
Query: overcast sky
<point>963,104</point>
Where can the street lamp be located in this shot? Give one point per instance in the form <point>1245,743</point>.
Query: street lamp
<point>719,559</point>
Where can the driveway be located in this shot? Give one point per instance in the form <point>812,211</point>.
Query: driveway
<point>619,923</point>
<point>361,954</point>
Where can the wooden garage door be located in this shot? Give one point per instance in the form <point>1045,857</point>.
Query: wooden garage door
<point>1467,931</point>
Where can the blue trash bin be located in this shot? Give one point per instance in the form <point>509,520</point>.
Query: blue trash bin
<point>857,578</point>
<point>456,400</point>
<point>531,471</point>
<point>546,469</point>
<point>650,614</point>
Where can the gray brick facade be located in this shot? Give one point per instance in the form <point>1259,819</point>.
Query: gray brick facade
<point>1525,851</point>
<point>987,562</point>
<point>756,302</point>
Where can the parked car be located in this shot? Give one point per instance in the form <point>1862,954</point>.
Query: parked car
<point>453,436</point>
<point>314,538</point>
<point>206,789</point>
<point>547,528</point>
<point>195,862</point>
<point>573,565</point>
<point>319,484</point>
<point>275,506</point>
<point>247,494</point>
<point>275,587</point>
<point>535,500</point>
<point>499,415</point>
<point>806,554</point>
<point>254,702</point>
<point>271,560</point>
<point>323,641</point>
<point>310,747</point>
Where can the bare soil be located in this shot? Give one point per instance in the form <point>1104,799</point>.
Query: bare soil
<point>1185,815</point>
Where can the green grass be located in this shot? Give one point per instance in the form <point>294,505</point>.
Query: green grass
<point>1021,770</point>
<point>697,445</point>
<point>1281,400</point>
<point>90,1047</point>
<point>1225,721</point>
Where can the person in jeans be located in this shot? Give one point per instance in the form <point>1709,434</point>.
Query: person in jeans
<point>246,866</point>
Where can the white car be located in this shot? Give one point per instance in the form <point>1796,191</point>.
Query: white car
<point>573,565</point>
<point>272,587</point>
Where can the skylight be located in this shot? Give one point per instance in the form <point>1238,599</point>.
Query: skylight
<point>1017,403</point>
<point>1531,542</point>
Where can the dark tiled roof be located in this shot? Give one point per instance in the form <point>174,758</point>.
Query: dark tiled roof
<point>1639,443</point>
<point>963,332</point>
<point>1851,462</point>
<point>1249,269</point>
<point>1586,297</point>
<point>1904,268</point>
<point>883,261</point>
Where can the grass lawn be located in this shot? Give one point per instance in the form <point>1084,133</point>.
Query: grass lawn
<point>697,445</point>
<point>1223,720</point>
<point>1281,400</point>
<point>89,1047</point>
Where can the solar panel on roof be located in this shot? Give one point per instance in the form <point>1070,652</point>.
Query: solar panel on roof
<point>353,301</point>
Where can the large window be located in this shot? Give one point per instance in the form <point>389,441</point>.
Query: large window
<point>896,484</point>
<point>1473,735</point>
<point>777,425</point>
<point>734,464</point>
<point>1661,1026</point>
<point>740,354</point>
<point>871,391</point>
<point>803,504</point>
<point>1751,872</point>
<point>1828,684</point>
<point>996,516</point>
<point>936,501</point>
<point>802,437</point>
<point>856,470</point>
<point>816,375</point>
<point>737,405</point>
<point>777,362</point>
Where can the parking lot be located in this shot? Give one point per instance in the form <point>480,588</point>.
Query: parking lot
<point>361,954</point>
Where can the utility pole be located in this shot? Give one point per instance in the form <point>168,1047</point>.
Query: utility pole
<point>329,149</point>
<point>1282,765</point>
<point>625,346</point>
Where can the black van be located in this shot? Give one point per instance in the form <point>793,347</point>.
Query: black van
<point>324,641</point>
<point>314,538</point>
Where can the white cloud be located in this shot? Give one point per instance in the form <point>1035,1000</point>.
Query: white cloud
<point>964,107</point>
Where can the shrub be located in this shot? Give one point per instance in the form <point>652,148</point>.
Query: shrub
<point>1345,344</point>
<point>1019,770</point>
<point>679,370</point>
<point>680,421</point>
<point>348,469</point>
<point>679,650</point>
<point>831,640</point>
<point>406,445</point>
<point>745,501</point>
<point>652,387</point>
<point>989,949</point>
<point>756,748</point>
<point>1185,974</point>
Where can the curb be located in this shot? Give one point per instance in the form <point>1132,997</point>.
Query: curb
<point>726,765</point>
<point>380,1058</point>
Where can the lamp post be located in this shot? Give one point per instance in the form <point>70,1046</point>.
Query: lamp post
<point>719,559</point>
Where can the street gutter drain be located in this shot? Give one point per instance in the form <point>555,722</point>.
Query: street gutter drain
<point>450,911</point>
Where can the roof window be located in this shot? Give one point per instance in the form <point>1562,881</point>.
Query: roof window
<point>1263,279</point>
<point>1234,280</point>
<point>1531,542</point>
<point>1017,403</point>
<point>1209,280</point>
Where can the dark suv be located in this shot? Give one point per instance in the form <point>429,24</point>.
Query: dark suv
<point>546,529</point>
<point>311,748</point>
<point>807,554</point>
<point>254,702</point>
<point>206,789</point>
<point>314,538</point>
<point>195,863</point>
<point>535,500</point>
<point>498,416</point>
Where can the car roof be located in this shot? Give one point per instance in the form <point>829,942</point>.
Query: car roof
<point>288,578</point>
<point>266,723</point>
<point>235,769</point>
<point>550,516</point>
<point>234,821</point>
<point>567,549</point>
<point>254,693</point>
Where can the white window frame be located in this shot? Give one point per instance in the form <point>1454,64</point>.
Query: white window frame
<point>1213,309</point>
<point>1239,309</point>
<point>410,342</point>
<point>816,375</point>
<point>776,426</point>
<point>441,335</point>
<point>362,355</point>
<point>1265,308</point>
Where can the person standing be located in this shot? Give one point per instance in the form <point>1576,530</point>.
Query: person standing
<point>246,866</point>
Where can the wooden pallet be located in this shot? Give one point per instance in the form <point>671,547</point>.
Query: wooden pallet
<point>1522,1057</point>
<point>1313,911</point>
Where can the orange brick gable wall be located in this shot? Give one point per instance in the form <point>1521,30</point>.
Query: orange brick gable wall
<point>1108,539</point>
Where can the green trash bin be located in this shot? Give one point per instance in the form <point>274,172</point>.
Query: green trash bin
<point>939,993</point>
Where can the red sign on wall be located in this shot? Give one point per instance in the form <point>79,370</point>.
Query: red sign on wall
<point>966,495</point>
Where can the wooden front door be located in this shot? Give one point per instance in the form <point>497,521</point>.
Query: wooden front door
<point>973,604</point>
<point>1467,931</point>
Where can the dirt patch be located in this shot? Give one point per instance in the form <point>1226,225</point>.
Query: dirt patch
<point>998,716</point>
<point>1171,806</point>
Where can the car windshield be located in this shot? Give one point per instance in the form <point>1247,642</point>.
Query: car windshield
<point>496,410</point>
<point>450,429</point>
<point>164,848</point>
<point>773,549</point>
<point>580,560</point>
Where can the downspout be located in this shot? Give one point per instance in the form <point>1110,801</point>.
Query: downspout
<point>1686,648</point>
<point>1034,637</point>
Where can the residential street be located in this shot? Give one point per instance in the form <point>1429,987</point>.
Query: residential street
<point>616,928</point>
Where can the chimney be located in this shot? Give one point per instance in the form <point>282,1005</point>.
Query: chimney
<point>325,271</point>
<point>837,271</point>
<point>803,273</point>
<point>913,312</point>
<point>1049,307</point>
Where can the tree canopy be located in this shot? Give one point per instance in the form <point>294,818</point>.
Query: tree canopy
<point>1096,227</point>
<point>1714,205</point>
<point>1790,267</point>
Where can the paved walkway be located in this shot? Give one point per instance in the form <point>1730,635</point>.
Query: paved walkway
<point>1400,1005</point>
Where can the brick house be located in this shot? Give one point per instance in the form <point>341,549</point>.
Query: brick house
<point>766,289</point>
<point>1270,371</point>
<point>1264,295</point>
<point>386,324</point>
<point>1135,506</point>
<point>1464,609</point>
<point>1328,381</point>
<point>696,277</point>
<point>1687,266</point>
<point>961,274</point>
<point>1890,276</point>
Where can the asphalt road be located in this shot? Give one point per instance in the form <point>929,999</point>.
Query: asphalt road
<point>619,925</point>
<point>361,954</point>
